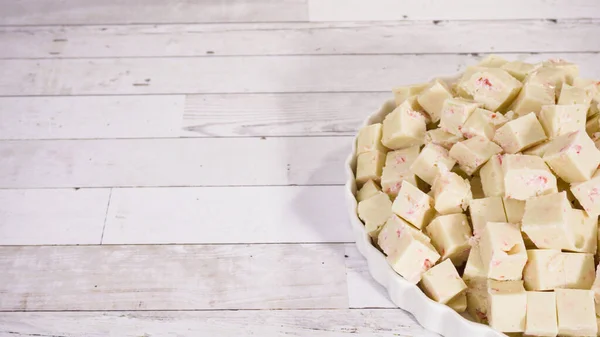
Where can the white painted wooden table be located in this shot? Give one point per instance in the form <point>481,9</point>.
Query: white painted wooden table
<point>174,168</point>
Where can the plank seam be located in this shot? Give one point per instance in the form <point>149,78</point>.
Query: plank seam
<point>106,215</point>
<point>200,310</point>
<point>183,244</point>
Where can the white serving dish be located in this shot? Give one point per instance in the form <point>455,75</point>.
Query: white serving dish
<point>433,316</point>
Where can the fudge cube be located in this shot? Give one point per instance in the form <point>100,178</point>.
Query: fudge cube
<point>391,233</point>
<point>562,119</point>
<point>526,176</point>
<point>507,305</point>
<point>455,112</point>
<point>503,251</point>
<point>573,157</point>
<point>432,99</point>
<point>538,150</point>
<point>549,77</point>
<point>544,270</point>
<point>541,314</point>
<point>520,133</point>
<point>411,258</point>
<point>404,127</point>
<point>472,153</point>
<point>477,188</point>
<point>374,212</point>
<point>579,270</point>
<point>519,69</point>
<point>441,138</point>
<point>413,205</point>
<point>492,87</point>
<point>570,70</point>
<point>584,231</point>
<point>369,166</point>
<point>459,303</point>
<point>576,312</point>
<point>574,95</point>
<point>369,189</point>
<point>486,210</point>
<point>483,123</point>
<point>369,139</point>
<point>450,235</point>
<point>401,94</point>
<point>514,209</point>
<point>596,290</point>
<point>452,193</point>
<point>397,170</point>
<point>531,99</point>
<point>492,177</point>
<point>588,194</point>
<point>432,159</point>
<point>442,282</point>
<point>492,61</point>
<point>546,221</point>
<point>475,273</point>
<point>477,305</point>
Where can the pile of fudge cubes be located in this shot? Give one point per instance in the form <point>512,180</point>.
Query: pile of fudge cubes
<point>485,192</point>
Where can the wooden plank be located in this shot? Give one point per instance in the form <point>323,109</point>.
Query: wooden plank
<point>34,217</point>
<point>91,117</point>
<point>173,162</point>
<point>227,215</point>
<point>363,290</point>
<point>239,74</point>
<point>172,277</point>
<point>272,323</point>
<point>358,10</point>
<point>300,39</point>
<point>83,12</point>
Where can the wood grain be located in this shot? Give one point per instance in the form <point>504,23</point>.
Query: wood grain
<point>300,38</point>
<point>227,215</point>
<point>357,10</point>
<point>170,277</point>
<point>240,74</point>
<point>337,323</point>
<point>69,12</point>
<point>174,162</point>
<point>69,216</point>
<point>81,117</point>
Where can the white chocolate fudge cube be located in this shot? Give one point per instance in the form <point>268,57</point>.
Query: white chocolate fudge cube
<point>430,161</point>
<point>519,69</point>
<point>477,304</point>
<point>576,312</point>
<point>475,273</point>
<point>441,138</point>
<point>369,166</point>
<point>486,210</point>
<point>483,123</point>
<point>404,127</point>
<point>455,112</point>
<point>495,88</point>
<point>570,70</point>
<point>369,189</point>
<point>573,157</point>
<point>574,95</point>
<point>507,305</point>
<point>588,194</point>
<point>397,170</point>
<point>433,97</point>
<point>442,282</point>
<point>452,193</point>
<point>596,290</point>
<point>492,177</point>
<point>450,235</point>
<point>413,205</point>
<point>514,209</point>
<point>526,176</point>
<point>520,133</point>
<point>492,61</point>
<point>549,77</point>
<point>538,150</point>
<point>541,314</point>
<point>531,99</point>
<point>584,229</point>
<point>546,221</point>
<point>369,139</point>
<point>558,120</point>
<point>390,235</point>
<point>579,270</point>
<point>401,94</point>
<point>503,251</point>
<point>374,212</point>
<point>459,303</point>
<point>472,153</point>
<point>544,270</point>
<point>412,258</point>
